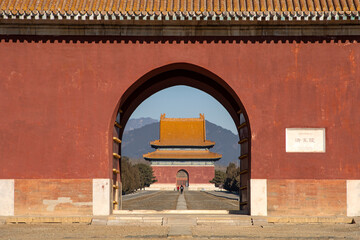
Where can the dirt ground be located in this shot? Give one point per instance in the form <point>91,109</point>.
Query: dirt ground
<point>77,231</point>
<point>203,201</point>
<point>275,231</point>
<point>167,200</point>
<point>281,231</point>
<point>158,201</point>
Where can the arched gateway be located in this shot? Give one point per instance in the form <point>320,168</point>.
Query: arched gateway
<point>182,178</point>
<point>193,76</point>
<point>70,71</point>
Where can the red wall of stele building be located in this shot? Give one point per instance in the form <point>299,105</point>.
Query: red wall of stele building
<point>58,101</point>
<point>197,175</point>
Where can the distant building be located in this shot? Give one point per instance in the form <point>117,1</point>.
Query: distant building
<point>182,155</point>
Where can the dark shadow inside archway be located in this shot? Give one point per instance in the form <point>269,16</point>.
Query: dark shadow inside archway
<point>182,178</point>
<point>192,76</point>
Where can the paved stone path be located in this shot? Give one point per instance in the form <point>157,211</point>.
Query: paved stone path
<point>181,225</point>
<point>181,203</point>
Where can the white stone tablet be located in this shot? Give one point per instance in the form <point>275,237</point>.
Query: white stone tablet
<point>305,140</point>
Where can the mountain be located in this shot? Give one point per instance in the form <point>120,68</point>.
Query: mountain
<point>135,142</point>
<point>138,123</point>
<point>226,143</point>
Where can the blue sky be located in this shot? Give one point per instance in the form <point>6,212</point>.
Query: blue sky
<point>185,102</point>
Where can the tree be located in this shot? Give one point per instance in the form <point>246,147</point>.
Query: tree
<point>146,175</point>
<point>219,178</point>
<point>232,181</point>
<point>130,176</point>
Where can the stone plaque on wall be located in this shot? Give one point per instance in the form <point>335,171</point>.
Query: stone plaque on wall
<point>305,139</point>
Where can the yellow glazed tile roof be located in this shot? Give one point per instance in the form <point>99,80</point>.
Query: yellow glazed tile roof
<point>182,132</point>
<point>205,143</point>
<point>182,154</point>
<point>181,9</point>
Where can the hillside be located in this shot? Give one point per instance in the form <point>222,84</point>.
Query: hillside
<point>136,142</point>
<point>138,123</point>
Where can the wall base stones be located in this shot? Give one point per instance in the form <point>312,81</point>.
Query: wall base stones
<point>258,197</point>
<point>53,197</point>
<point>290,197</point>
<point>6,197</point>
<point>353,197</point>
<point>76,197</point>
<point>101,197</point>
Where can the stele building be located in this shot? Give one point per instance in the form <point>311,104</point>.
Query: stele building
<point>182,156</point>
<point>73,71</point>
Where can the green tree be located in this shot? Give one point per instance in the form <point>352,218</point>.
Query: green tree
<point>219,178</point>
<point>130,176</point>
<point>232,181</point>
<point>146,175</point>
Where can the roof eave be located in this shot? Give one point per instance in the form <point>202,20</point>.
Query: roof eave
<point>181,146</point>
<point>184,159</point>
<point>185,28</point>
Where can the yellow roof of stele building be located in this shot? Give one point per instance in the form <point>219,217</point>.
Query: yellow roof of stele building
<point>182,132</point>
<point>187,136</point>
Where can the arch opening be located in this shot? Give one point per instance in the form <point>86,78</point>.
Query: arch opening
<point>182,178</point>
<point>192,76</point>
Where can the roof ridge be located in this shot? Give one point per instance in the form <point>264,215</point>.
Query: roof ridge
<point>223,10</point>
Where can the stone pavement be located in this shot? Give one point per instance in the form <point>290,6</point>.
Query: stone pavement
<point>180,225</point>
<point>181,203</point>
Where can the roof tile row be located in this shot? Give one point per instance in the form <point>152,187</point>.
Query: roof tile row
<point>182,154</point>
<point>227,9</point>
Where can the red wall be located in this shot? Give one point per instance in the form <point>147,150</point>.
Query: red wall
<point>57,100</point>
<point>165,174</point>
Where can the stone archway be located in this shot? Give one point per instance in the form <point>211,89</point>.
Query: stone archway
<point>192,76</point>
<point>182,178</point>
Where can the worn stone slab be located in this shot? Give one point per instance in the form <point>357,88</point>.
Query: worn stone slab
<point>344,220</point>
<point>143,220</point>
<point>99,221</point>
<point>243,221</point>
<point>258,197</point>
<point>62,220</point>
<point>259,221</point>
<point>180,225</point>
<point>101,197</point>
<point>353,197</point>
<point>6,197</point>
<point>180,230</point>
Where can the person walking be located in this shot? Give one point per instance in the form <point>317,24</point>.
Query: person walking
<point>181,189</point>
